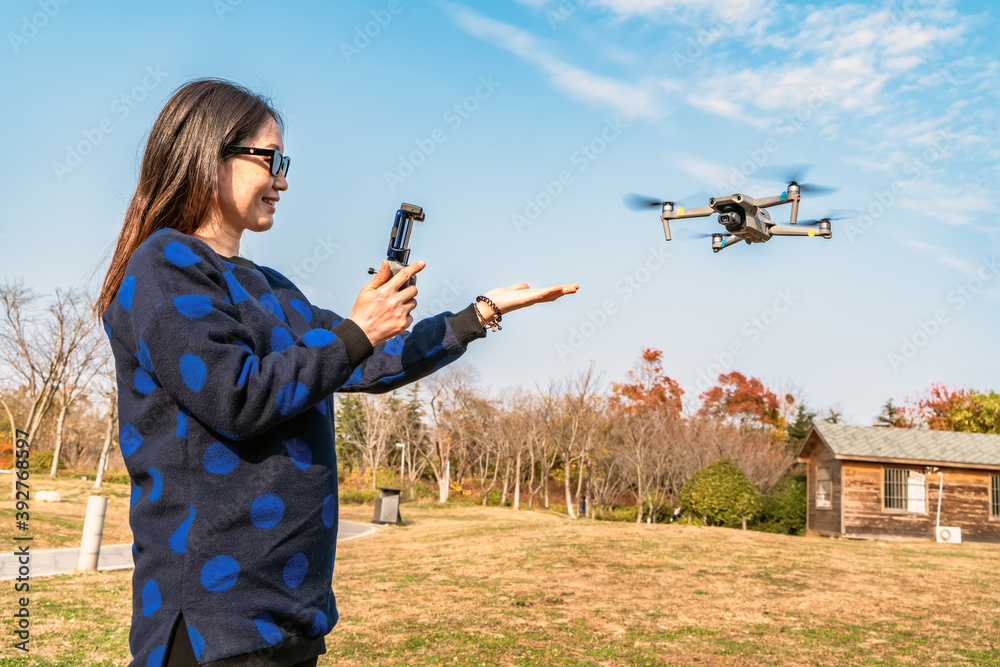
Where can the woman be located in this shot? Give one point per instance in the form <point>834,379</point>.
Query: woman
<point>226,374</point>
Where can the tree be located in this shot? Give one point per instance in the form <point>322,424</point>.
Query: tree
<point>943,408</point>
<point>649,388</point>
<point>38,353</point>
<point>893,417</point>
<point>743,401</point>
<point>799,429</point>
<point>722,494</point>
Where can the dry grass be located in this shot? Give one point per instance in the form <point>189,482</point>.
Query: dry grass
<point>60,525</point>
<point>471,586</point>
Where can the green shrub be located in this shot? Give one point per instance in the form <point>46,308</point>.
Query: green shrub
<point>40,462</point>
<point>493,497</point>
<point>350,496</point>
<point>722,494</point>
<point>784,509</point>
<point>423,490</point>
<point>561,509</point>
<point>626,513</point>
<point>113,477</point>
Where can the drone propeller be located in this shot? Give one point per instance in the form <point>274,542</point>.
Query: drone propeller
<point>794,173</point>
<point>642,202</point>
<point>688,234</point>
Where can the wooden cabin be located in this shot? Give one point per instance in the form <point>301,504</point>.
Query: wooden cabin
<point>889,483</point>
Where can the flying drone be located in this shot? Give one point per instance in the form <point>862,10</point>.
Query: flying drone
<point>745,218</point>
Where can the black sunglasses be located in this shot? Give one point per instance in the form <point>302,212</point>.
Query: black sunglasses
<point>278,161</point>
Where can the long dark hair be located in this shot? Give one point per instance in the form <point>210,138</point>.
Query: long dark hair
<point>179,172</point>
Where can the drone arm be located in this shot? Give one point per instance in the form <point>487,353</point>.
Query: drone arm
<point>787,230</point>
<point>700,212</point>
<point>725,242</point>
<point>768,202</point>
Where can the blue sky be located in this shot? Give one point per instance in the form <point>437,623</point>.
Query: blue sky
<point>518,126</point>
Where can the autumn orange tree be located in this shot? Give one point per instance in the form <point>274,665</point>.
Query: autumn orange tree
<point>743,401</point>
<point>943,408</point>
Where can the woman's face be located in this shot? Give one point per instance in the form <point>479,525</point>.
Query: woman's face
<point>248,192</point>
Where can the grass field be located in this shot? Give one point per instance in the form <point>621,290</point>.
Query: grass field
<point>489,586</point>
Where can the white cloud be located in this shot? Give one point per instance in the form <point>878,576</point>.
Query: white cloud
<point>630,100</point>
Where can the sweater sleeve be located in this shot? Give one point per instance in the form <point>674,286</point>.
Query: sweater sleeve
<point>191,341</point>
<point>432,343</point>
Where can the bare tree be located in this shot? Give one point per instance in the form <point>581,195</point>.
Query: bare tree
<point>446,395</point>
<point>110,394</point>
<point>83,363</point>
<point>37,353</point>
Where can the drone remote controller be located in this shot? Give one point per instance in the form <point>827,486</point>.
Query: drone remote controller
<point>399,239</point>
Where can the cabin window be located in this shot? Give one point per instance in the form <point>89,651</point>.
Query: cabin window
<point>823,488</point>
<point>995,496</point>
<point>905,490</point>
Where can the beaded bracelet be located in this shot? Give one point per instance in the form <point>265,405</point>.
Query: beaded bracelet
<point>493,324</point>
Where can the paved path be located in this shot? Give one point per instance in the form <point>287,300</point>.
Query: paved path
<point>119,556</point>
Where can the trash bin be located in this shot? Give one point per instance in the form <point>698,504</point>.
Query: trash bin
<point>387,506</point>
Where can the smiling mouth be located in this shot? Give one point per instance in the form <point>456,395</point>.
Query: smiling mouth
<point>270,202</point>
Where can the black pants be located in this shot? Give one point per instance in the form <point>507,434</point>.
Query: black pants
<point>180,653</point>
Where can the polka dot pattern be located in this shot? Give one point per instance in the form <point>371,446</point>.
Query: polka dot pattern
<point>267,628</point>
<point>178,540</point>
<point>193,305</point>
<point>180,255</point>
<point>356,377</point>
<point>197,642</point>
<point>295,570</point>
<point>329,511</point>
<point>299,453</point>
<point>136,495</point>
<point>266,510</point>
<point>151,599</point>
<point>156,656</point>
<point>129,440</point>
<point>249,367</point>
<point>302,308</point>
<point>220,574</point>
<point>220,458</point>
<point>291,397</point>
<point>144,361</point>
<point>281,339</point>
<point>126,292</point>
<point>182,424</point>
<point>154,495</point>
<point>271,303</point>
<point>319,626</point>
<point>193,372</point>
<point>318,338</point>
<point>236,291</point>
<point>143,383</point>
<point>394,345</point>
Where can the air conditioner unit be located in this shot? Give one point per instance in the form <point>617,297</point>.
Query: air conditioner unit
<point>948,534</point>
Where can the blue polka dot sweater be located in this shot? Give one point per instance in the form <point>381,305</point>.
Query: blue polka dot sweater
<point>225,374</point>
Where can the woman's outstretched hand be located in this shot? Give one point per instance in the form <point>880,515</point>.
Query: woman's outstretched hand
<point>519,295</point>
<point>382,310</point>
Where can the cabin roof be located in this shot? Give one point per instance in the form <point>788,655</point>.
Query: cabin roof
<point>911,445</point>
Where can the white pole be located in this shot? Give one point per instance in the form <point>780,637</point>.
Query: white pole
<point>93,528</point>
